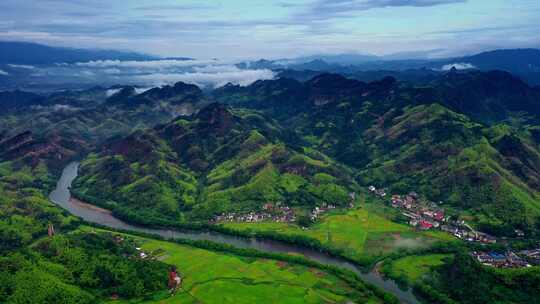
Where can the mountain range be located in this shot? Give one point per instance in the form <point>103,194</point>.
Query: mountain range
<point>24,53</point>
<point>524,63</point>
<point>469,139</point>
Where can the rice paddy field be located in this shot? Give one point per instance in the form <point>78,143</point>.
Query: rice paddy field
<point>362,232</point>
<point>414,267</point>
<point>212,277</point>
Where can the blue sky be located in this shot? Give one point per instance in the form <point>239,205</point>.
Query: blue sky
<point>235,29</point>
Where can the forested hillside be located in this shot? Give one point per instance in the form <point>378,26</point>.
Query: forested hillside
<point>457,141</point>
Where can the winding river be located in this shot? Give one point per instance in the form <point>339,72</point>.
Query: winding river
<point>62,197</point>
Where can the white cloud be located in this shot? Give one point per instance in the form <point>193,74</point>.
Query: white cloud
<point>3,73</point>
<point>150,64</point>
<point>458,66</point>
<point>142,90</point>
<point>112,71</point>
<point>85,73</point>
<point>203,79</point>
<point>22,66</point>
<point>147,74</point>
<point>216,68</point>
<point>59,107</point>
<point>111,92</point>
<point>56,108</point>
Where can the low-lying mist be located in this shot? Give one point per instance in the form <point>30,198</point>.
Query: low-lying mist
<point>204,73</point>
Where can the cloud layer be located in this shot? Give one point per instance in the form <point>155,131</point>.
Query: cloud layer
<point>148,64</point>
<point>22,66</point>
<point>323,9</point>
<point>210,78</point>
<point>145,74</point>
<point>458,66</point>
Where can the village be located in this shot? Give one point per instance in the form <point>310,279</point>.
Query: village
<point>421,214</point>
<point>272,212</point>
<point>425,215</point>
<point>509,259</point>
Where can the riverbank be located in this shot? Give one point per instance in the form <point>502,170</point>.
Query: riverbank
<point>359,235</point>
<point>212,272</point>
<point>61,196</point>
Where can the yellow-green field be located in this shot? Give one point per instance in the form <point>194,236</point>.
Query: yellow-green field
<point>412,268</point>
<point>212,277</point>
<point>360,232</point>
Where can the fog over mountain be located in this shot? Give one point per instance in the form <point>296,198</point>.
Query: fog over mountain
<point>56,69</point>
<point>78,68</point>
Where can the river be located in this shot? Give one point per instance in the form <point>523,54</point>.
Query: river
<point>62,197</point>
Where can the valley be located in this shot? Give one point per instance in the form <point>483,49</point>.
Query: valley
<point>91,214</point>
<point>286,168</point>
<point>292,151</point>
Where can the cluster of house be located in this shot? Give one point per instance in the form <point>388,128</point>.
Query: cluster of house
<point>378,192</point>
<point>461,230</point>
<point>270,212</point>
<point>422,216</point>
<point>428,215</point>
<point>509,259</point>
<point>532,255</point>
<point>318,211</point>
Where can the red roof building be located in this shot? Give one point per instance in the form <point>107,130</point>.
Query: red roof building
<point>439,216</point>
<point>425,225</point>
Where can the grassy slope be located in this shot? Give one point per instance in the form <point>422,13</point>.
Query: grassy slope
<point>277,180</point>
<point>212,277</point>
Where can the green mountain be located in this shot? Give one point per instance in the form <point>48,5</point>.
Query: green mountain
<point>489,97</point>
<point>480,155</point>
<point>219,160</point>
<point>80,120</point>
<point>469,140</point>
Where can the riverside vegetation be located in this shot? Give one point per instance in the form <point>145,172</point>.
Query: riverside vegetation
<point>87,265</point>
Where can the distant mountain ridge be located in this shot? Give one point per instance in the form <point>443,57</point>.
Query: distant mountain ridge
<point>34,53</point>
<point>526,59</point>
<point>524,63</point>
